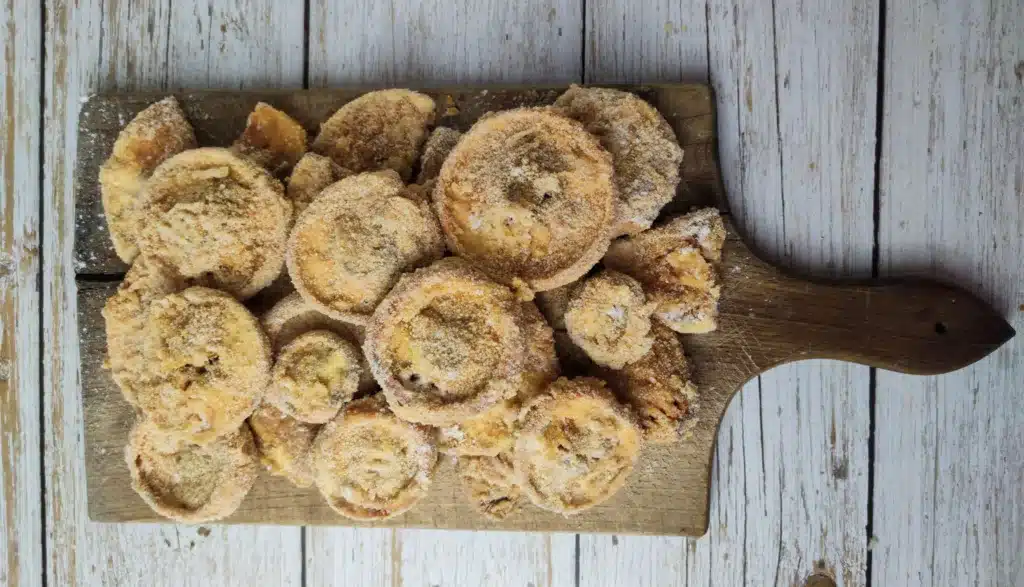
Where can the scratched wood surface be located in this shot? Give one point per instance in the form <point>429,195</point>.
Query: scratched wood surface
<point>94,46</point>
<point>974,63</point>
<point>949,453</point>
<point>21,538</point>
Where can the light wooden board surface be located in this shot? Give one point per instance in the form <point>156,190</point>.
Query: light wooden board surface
<point>949,458</point>
<point>968,51</point>
<point>96,46</point>
<point>21,537</point>
<point>789,489</point>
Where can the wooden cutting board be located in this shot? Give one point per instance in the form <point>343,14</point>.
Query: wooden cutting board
<point>767,318</point>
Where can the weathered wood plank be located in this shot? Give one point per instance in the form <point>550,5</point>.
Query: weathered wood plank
<point>435,43</point>
<point>789,490</point>
<point>21,546</point>
<point>396,43</point>
<point>949,470</point>
<point>638,42</point>
<point>101,46</point>
<point>434,557</point>
<point>353,556</point>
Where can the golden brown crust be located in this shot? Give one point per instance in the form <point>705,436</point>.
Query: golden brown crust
<point>369,465</point>
<point>576,446</point>
<point>609,317</point>
<point>659,388</point>
<point>207,363</point>
<point>419,192</point>
<point>541,361</point>
<point>311,175</point>
<point>155,134</point>
<point>314,376</point>
<point>643,146</point>
<point>284,444</point>
<point>378,130</point>
<point>349,247</point>
<point>675,262</point>
<point>293,316</point>
<point>187,482</point>
<point>439,144</point>
<point>216,219</point>
<point>491,485</point>
<point>485,434</point>
<point>493,431</point>
<point>527,196</point>
<point>446,344</point>
<point>124,315</point>
<point>271,139</point>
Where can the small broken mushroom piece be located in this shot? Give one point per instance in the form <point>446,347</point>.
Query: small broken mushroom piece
<point>676,264</point>
<point>491,485</point>
<point>659,388</point>
<point>484,434</point>
<point>440,142</point>
<point>378,130</point>
<point>314,376</point>
<point>284,444</point>
<point>609,317</point>
<point>311,175</point>
<point>154,135</point>
<point>271,139</point>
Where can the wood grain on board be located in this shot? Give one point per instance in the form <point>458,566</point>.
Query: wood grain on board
<point>21,536</point>
<point>94,46</point>
<point>949,453</point>
<point>796,147</point>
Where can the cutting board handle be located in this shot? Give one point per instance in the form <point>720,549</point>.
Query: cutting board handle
<point>911,326</point>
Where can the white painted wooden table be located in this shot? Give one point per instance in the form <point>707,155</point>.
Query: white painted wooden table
<point>858,137</point>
